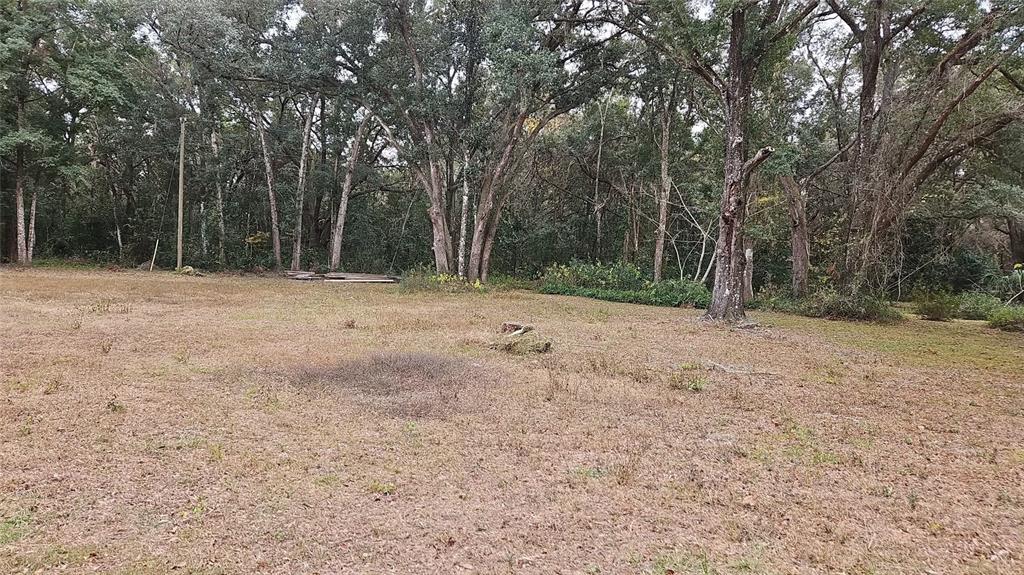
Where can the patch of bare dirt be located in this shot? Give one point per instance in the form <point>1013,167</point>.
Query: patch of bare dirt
<point>397,384</point>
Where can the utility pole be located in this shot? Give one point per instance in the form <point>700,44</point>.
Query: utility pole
<point>181,187</point>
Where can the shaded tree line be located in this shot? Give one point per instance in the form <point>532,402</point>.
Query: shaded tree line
<point>868,144</point>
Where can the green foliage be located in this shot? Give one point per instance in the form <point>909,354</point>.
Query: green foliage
<point>936,305</point>
<point>421,279</point>
<point>1008,318</point>
<point>977,305</point>
<point>829,303</point>
<point>621,282</point>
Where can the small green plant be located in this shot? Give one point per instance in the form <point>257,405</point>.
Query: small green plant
<point>14,528</point>
<point>115,406</point>
<point>682,379</point>
<point>936,305</point>
<point>381,487</point>
<point>1008,318</point>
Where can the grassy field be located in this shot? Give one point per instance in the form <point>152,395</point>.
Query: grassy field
<point>152,423</point>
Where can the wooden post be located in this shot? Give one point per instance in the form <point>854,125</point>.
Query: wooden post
<point>181,187</point>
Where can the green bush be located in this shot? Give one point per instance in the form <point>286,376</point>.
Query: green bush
<point>1008,318</point>
<point>977,305</point>
<point>936,305</point>
<point>830,303</point>
<point>621,282</point>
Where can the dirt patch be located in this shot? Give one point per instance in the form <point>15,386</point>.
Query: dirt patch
<point>398,384</point>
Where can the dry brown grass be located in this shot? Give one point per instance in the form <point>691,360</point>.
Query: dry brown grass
<point>156,423</point>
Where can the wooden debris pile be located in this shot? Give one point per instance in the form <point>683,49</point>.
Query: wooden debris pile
<point>341,277</point>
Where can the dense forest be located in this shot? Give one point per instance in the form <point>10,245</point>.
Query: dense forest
<point>866,146</point>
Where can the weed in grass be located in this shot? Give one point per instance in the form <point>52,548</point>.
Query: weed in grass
<point>54,384</point>
<point>115,406</point>
<point>216,452</point>
<point>914,501</point>
<point>14,528</point>
<point>106,345</point>
<point>182,355</point>
<point>327,480</point>
<point>590,472</point>
<point>378,487</point>
<point>680,380</point>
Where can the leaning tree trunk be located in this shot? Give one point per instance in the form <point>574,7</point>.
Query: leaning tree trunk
<point>799,239</point>
<point>300,192</point>
<point>346,190</point>
<point>275,232</point>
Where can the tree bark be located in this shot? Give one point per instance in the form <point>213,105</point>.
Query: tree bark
<point>31,242</point>
<point>300,192</point>
<point>730,259</point>
<point>1015,226</point>
<point>275,233</point>
<point>464,216</point>
<point>219,188</point>
<point>666,184</point>
<point>346,189</point>
<point>799,239</point>
<point>19,187</point>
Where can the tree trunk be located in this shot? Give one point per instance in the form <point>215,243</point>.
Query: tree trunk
<point>748,269</point>
<point>218,187</point>
<point>666,185</point>
<point>275,234</point>
<point>19,188</point>
<point>1015,227</point>
<point>31,244</point>
<point>346,189</point>
<point>730,260</point>
<point>464,216</point>
<point>300,191</point>
<point>799,239</point>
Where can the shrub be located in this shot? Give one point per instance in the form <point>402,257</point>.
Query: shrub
<point>623,283</point>
<point>1008,318</point>
<point>936,305</point>
<point>830,303</point>
<point>421,279</point>
<point>775,298</point>
<point>977,305</point>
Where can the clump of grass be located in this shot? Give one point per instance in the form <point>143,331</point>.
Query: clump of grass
<point>14,527</point>
<point>115,406</point>
<point>1008,318</point>
<point>106,345</point>
<point>687,381</point>
<point>378,487</point>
